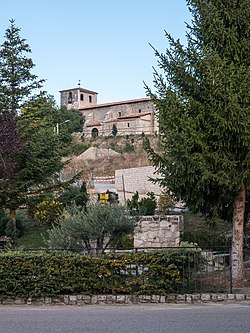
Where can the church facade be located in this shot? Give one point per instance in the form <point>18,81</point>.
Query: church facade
<point>129,117</point>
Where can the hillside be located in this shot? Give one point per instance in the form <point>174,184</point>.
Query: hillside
<point>109,154</point>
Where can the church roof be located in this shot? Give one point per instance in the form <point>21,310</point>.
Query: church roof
<point>95,106</point>
<point>81,89</point>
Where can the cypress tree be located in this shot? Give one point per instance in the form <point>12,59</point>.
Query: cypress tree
<point>16,80</point>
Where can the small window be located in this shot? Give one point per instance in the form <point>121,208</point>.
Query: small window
<point>128,124</point>
<point>119,114</point>
<point>90,99</point>
<point>139,110</point>
<point>81,97</point>
<point>70,97</point>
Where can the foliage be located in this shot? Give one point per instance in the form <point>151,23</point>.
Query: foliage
<point>48,211</point>
<point>94,228</point>
<point>16,80</point>
<point>114,130</point>
<point>30,149</point>
<point>75,195</point>
<point>203,108</point>
<point>128,148</point>
<point>165,202</point>
<point>10,144</point>
<point>6,227</point>
<point>202,94</point>
<point>25,274</point>
<point>143,206</point>
<point>205,239</point>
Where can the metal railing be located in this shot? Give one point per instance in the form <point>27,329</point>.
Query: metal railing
<point>200,270</point>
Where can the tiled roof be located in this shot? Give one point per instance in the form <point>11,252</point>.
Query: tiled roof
<point>81,89</point>
<point>116,103</point>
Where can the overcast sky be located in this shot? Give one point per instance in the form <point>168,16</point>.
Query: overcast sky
<point>105,44</point>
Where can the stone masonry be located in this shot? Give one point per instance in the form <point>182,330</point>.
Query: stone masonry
<point>158,231</point>
<point>132,180</point>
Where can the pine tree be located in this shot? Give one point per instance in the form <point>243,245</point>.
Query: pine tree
<point>17,83</point>
<point>202,94</point>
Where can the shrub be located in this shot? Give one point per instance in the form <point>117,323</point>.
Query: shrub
<point>48,212</point>
<point>36,274</point>
<point>97,227</point>
<point>6,226</point>
<point>144,206</point>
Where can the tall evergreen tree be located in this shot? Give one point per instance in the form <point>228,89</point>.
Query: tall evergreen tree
<point>202,94</point>
<point>17,83</point>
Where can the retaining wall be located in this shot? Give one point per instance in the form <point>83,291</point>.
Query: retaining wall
<point>82,300</point>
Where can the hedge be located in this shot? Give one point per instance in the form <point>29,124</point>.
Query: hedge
<point>39,274</point>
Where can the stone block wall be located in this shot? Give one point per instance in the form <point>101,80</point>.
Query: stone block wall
<point>128,181</point>
<point>158,231</point>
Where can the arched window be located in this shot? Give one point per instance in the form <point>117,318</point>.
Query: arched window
<point>90,99</point>
<point>94,133</point>
<point>81,97</point>
<point>70,97</point>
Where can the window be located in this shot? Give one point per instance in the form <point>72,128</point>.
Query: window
<point>81,97</point>
<point>119,114</point>
<point>90,99</point>
<point>128,124</point>
<point>70,97</point>
<point>139,110</point>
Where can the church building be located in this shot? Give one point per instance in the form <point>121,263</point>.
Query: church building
<point>129,117</point>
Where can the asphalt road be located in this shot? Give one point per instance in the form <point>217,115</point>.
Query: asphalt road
<point>158,318</point>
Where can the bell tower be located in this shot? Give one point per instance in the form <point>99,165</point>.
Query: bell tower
<point>77,98</point>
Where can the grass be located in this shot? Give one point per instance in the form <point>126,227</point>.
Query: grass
<point>33,238</point>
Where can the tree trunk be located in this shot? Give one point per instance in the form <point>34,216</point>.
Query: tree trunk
<point>13,221</point>
<point>238,271</point>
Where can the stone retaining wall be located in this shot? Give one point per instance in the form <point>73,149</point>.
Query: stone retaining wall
<point>81,300</point>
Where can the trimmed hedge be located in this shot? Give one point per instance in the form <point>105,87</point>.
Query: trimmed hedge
<point>39,274</point>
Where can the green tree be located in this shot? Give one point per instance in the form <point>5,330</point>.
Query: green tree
<point>114,130</point>
<point>16,80</point>
<point>95,228</point>
<point>143,206</point>
<point>74,195</point>
<point>202,94</point>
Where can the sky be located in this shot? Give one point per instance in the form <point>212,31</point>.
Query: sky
<point>102,43</point>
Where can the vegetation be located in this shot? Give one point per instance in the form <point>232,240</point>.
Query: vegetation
<point>25,274</point>
<point>17,82</point>
<point>143,206</point>
<point>31,146</point>
<point>203,100</point>
<point>96,228</point>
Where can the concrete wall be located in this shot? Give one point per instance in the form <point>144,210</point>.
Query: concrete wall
<point>158,231</point>
<point>128,181</point>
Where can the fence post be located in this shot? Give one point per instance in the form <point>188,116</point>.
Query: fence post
<point>230,272</point>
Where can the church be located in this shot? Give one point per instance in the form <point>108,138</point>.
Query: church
<point>136,116</point>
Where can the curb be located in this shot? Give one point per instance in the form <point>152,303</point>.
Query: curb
<point>127,299</point>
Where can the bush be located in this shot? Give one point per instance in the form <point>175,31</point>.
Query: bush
<point>95,228</point>
<point>36,274</point>
<point>205,239</point>
<point>75,195</point>
<point>48,212</point>
<point>144,206</point>
<point>6,226</point>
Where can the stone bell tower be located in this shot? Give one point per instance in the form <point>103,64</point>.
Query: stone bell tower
<point>77,98</point>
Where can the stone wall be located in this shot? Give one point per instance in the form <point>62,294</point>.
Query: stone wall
<point>158,231</point>
<point>128,181</point>
<point>82,300</point>
<point>130,117</point>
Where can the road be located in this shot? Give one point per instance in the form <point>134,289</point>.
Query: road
<point>158,318</point>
